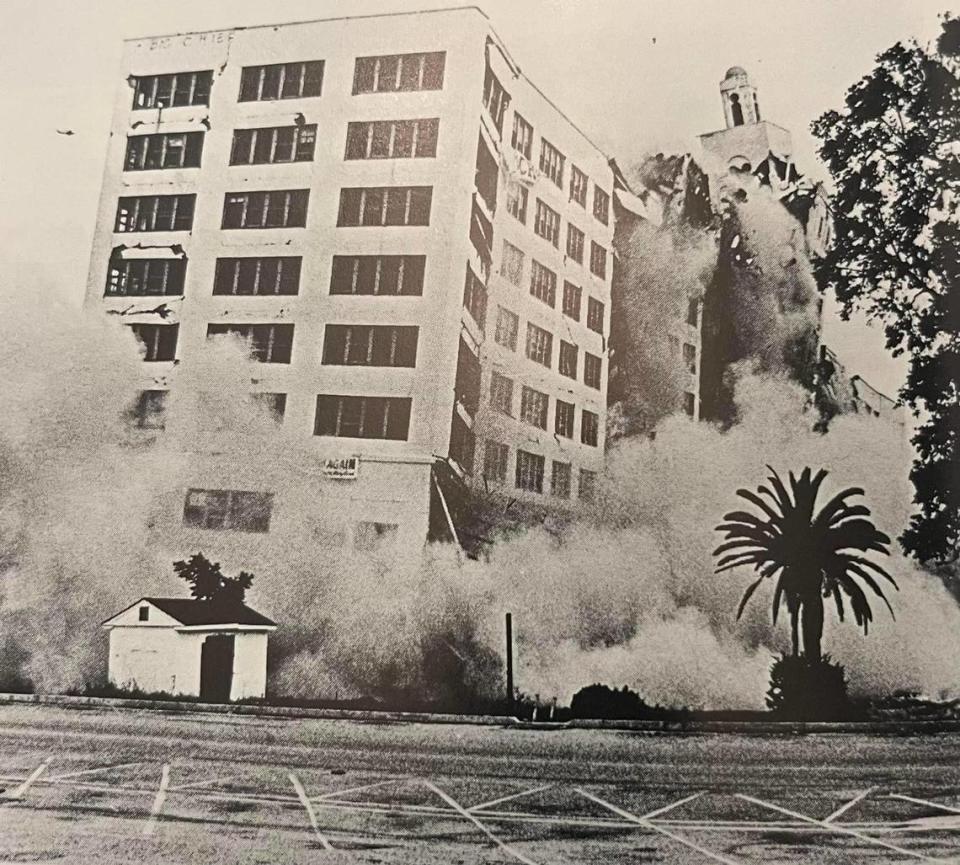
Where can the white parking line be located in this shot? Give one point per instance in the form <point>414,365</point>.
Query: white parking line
<point>335,793</point>
<point>653,827</point>
<point>311,815</point>
<point>159,799</point>
<point>510,798</point>
<point>844,830</point>
<point>651,814</point>
<point>93,771</point>
<point>924,802</point>
<point>846,807</point>
<point>453,803</point>
<point>36,773</point>
<point>204,783</point>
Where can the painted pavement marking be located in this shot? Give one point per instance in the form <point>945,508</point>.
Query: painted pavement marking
<point>311,815</point>
<point>651,814</point>
<point>848,805</point>
<point>158,802</point>
<point>65,775</point>
<point>845,830</point>
<point>204,783</point>
<point>335,793</point>
<point>924,802</point>
<point>484,805</point>
<point>19,792</point>
<point>453,803</point>
<point>653,827</point>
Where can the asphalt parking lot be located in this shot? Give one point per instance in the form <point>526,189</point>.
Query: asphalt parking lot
<point>120,786</point>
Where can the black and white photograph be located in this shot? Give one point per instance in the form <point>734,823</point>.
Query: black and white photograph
<point>522,432</point>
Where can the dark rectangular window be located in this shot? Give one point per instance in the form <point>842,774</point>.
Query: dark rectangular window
<point>601,205</point>
<point>163,150</point>
<point>279,208</point>
<point>258,275</point>
<point>165,91</point>
<point>475,298</point>
<point>378,274</point>
<point>385,205</point>
<point>508,323</point>
<point>148,410</point>
<point>529,474</point>
<point>370,345</point>
<point>239,510</point>
<point>689,403</point>
<point>511,264</point>
<point>281,81</point>
<point>543,283</point>
<point>501,393</point>
<point>539,344</point>
<point>589,428</point>
<point>392,72</point>
<point>495,98</point>
<point>547,223</point>
<point>690,357</point>
<point>517,198</point>
<point>466,387</point>
<point>159,341</point>
<point>595,314</point>
<point>273,144</point>
<point>560,480</point>
<point>564,419</point>
<point>155,213</point>
<point>571,300</point>
<point>141,277</point>
<point>568,359</point>
<point>588,485</point>
<point>393,139</point>
<point>578,186</point>
<point>496,456</point>
<point>592,370</point>
<point>598,260</point>
<point>575,240</point>
<point>693,311</point>
<point>522,138</point>
<point>268,343</point>
<point>273,404</point>
<point>463,443</point>
<point>368,417</point>
<point>551,162</point>
<point>534,407</point>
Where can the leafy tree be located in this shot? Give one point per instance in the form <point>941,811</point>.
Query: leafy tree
<point>894,156</point>
<point>811,556</point>
<point>209,583</point>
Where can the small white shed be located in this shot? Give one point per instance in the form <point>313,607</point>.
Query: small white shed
<point>215,650</point>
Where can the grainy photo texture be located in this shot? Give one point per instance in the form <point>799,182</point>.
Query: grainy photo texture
<point>522,432</point>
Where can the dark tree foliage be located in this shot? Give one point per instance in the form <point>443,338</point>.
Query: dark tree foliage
<point>811,555</point>
<point>895,159</point>
<point>602,701</point>
<point>806,690</point>
<point>209,583</point>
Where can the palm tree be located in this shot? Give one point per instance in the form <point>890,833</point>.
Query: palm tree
<point>810,556</point>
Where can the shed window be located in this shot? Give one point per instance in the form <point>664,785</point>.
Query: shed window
<point>144,614</point>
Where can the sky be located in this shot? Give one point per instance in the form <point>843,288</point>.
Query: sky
<point>637,75</point>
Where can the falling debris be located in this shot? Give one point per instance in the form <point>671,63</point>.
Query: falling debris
<point>65,132</point>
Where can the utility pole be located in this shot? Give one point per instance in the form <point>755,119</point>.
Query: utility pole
<point>509,623</point>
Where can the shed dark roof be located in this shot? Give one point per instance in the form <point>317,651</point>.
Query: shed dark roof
<point>189,611</point>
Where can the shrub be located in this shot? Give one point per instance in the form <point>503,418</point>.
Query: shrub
<point>602,701</point>
<point>802,689</point>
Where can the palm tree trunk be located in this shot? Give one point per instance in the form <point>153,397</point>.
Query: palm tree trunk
<point>812,626</point>
<point>795,630</point>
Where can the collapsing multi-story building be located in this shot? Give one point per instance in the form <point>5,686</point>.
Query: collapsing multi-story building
<point>413,241</point>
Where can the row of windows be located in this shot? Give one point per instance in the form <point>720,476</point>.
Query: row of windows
<point>269,275</point>
<point>272,145</point>
<point>552,164</point>
<point>535,407</point>
<point>387,73</point>
<point>543,286</point>
<point>343,344</point>
<point>530,470</point>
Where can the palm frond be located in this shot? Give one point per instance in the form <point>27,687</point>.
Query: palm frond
<point>754,499</point>
<point>747,594</point>
<point>836,504</point>
<point>878,569</point>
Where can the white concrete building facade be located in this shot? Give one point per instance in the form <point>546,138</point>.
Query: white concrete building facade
<point>399,223</point>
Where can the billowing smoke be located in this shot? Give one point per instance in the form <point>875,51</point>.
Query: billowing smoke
<point>625,594</point>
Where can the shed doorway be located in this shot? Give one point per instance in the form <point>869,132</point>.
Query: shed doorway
<point>216,668</point>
